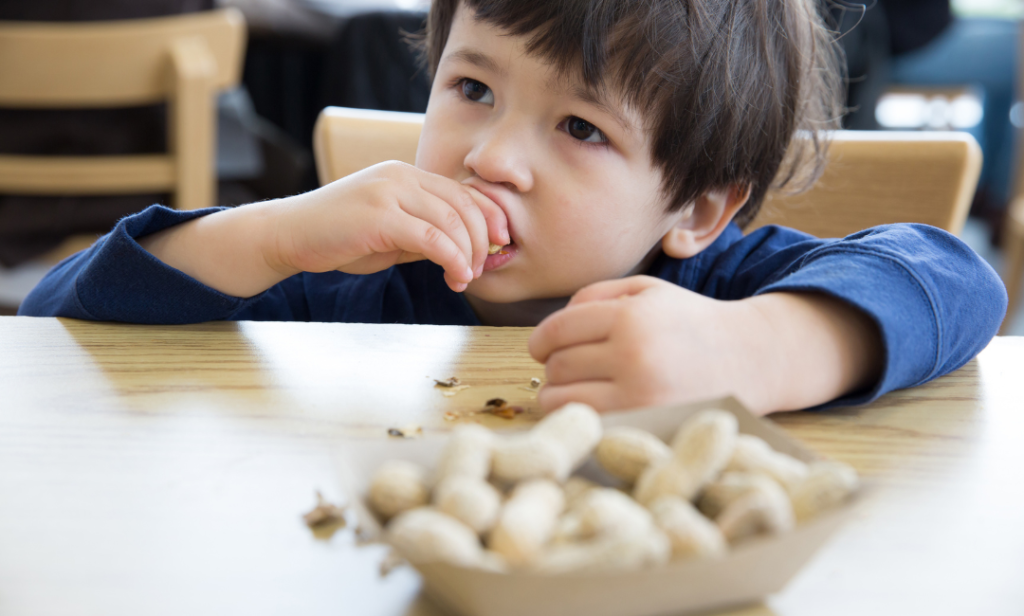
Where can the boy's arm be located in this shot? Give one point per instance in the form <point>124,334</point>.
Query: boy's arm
<point>663,343</point>
<point>117,280</point>
<point>163,266</point>
<point>818,319</point>
<point>225,251</point>
<point>364,223</point>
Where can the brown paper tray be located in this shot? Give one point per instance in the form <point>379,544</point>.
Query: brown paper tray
<point>746,574</point>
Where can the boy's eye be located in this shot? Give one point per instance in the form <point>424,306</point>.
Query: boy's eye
<point>584,131</point>
<point>477,92</point>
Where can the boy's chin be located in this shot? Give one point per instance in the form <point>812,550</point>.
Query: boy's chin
<point>495,294</point>
<point>489,289</point>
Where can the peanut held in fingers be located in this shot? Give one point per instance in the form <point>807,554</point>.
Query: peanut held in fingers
<point>424,535</point>
<point>692,535</point>
<point>397,486</point>
<point>527,521</point>
<point>472,501</point>
<point>763,510</point>
<point>625,452</point>
<point>827,484</point>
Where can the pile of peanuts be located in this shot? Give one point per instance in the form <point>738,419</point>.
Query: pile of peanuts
<point>509,503</point>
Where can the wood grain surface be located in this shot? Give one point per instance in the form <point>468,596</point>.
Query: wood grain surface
<point>164,470</point>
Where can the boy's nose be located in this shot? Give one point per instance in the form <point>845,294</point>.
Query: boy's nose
<point>502,157</point>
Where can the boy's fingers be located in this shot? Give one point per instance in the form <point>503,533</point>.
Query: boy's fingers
<point>455,285</point>
<point>602,395</point>
<point>613,289</point>
<point>439,214</point>
<point>415,235</point>
<point>586,323</point>
<point>476,223</point>
<point>467,204</point>
<point>584,362</point>
<point>494,216</point>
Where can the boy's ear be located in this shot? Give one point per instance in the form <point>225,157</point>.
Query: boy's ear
<point>707,218</point>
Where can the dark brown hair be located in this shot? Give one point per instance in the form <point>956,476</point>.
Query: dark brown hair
<point>731,91</point>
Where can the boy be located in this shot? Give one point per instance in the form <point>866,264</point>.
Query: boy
<point>594,141</point>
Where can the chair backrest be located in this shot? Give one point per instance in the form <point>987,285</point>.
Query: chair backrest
<point>182,59</point>
<point>873,177</point>
<point>881,177</point>
<point>347,140</point>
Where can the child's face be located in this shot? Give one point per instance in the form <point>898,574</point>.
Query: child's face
<point>573,175</point>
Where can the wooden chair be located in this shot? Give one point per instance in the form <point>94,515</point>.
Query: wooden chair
<point>1013,259</point>
<point>873,177</point>
<point>1013,231</point>
<point>182,60</point>
<point>882,177</point>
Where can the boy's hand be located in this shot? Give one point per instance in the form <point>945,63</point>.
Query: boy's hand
<point>384,215</point>
<point>634,342</point>
<point>641,341</point>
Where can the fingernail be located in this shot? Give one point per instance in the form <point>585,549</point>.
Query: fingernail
<point>468,275</point>
<point>479,271</point>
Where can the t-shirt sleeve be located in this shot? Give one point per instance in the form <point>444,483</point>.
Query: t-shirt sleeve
<point>935,302</point>
<point>118,280</point>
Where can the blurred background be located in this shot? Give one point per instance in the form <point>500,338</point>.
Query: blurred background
<point>912,64</point>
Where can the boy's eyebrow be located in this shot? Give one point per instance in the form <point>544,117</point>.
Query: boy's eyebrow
<point>476,58</point>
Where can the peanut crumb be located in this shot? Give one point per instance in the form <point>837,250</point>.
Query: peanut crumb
<point>500,408</point>
<point>324,513</point>
<point>390,562</point>
<point>363,536</point>
<point>450,387</point>
<point>410,431</point>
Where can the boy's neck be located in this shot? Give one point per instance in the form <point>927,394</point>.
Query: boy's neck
<point>531,312</point>
<point>527,313</point>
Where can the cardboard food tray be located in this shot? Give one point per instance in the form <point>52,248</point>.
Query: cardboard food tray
<point>748,573</point>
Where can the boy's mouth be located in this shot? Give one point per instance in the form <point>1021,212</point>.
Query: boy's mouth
<point>500,258</point>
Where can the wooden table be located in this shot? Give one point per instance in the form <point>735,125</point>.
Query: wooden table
<point>164,470</point>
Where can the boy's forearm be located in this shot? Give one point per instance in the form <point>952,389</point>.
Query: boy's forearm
<point>809,349</point>
<point>230,251</point>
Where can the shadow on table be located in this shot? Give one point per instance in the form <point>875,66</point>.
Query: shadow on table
<point>153,366</point>
<point>423,606</point>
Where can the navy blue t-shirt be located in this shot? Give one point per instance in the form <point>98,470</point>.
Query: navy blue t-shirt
<point>935,302</point>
